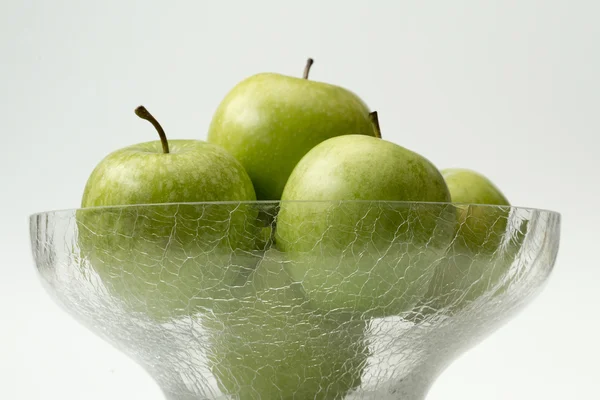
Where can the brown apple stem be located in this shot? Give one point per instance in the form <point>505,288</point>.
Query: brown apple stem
<point>375,120</point>
<point>145,114</point>
<point>309,64</point>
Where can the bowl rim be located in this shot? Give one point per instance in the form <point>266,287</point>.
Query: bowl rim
<point>278,202</point>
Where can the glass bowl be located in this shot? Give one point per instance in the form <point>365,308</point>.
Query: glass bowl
<point>294,300</point>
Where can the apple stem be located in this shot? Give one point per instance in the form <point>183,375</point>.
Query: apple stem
<point>375,120</point>
<point>145,114</point>
<point>309,64</point>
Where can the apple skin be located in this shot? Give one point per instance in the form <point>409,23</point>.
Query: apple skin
<point>479,259</point>
<point>375,256</point>
<point>160,258</point>
<point>464,277</point>
<point>142,174</point>
<point>479,228</point>
<point>270,344</point>
<point>270,121</point>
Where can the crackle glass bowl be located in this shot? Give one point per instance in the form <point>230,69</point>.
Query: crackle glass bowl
<point>294,300</point>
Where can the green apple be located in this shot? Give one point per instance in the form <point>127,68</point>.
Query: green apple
<point>270,121</point>
<point>468,186</point>
<point>374,256</point>
<point>480,258</point>
<point>157,255</point>
<point>479,228</point>
<point>270,344</point>
<point>464,277</point>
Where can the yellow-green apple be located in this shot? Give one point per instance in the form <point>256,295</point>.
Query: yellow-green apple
<point>141,229</point>
<point>270,121</point>
<point>270,344</point>
<point>350,225</point>
<point>479,260</point>
<point>479,228</point>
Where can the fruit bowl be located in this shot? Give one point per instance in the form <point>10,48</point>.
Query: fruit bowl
<point>355,300</point>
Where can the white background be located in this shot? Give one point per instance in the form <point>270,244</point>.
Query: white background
<point>509,88</point>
